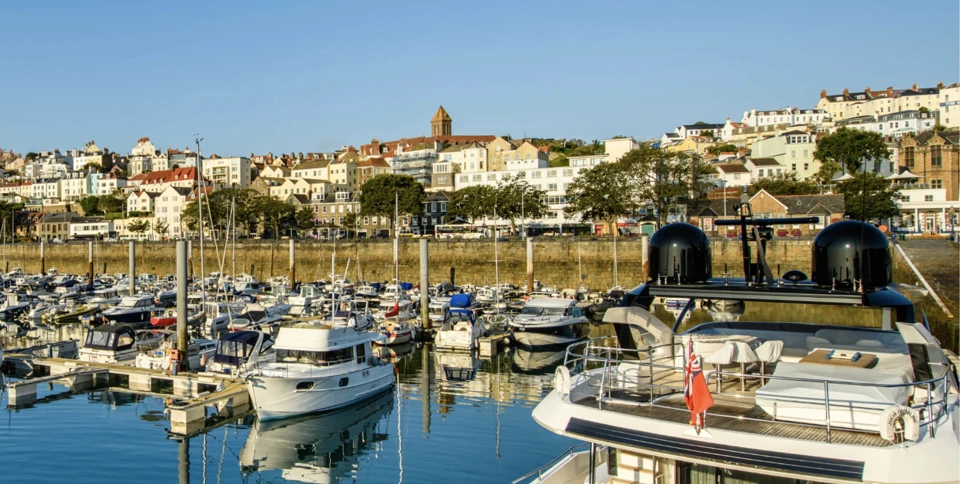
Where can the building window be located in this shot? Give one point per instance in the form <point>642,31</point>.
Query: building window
<point>793,167</point>
<point>928,198</point>
<point>477,178</point>
<point>551,173</point>
<point>492,177</point>
<point>936,183</point>
<point>908,153</point>
<point>936,155</point>
<point>568,172</point>
<point>535,174</point>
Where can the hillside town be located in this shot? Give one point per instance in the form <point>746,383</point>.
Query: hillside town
<point>144,193</point>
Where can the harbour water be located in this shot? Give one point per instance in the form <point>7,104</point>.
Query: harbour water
<point>451,418</point>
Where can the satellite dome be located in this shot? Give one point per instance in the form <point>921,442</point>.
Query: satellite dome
<point>852,250</point>
<point>680,252</point>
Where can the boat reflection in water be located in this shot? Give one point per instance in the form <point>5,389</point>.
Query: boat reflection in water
<point>537,362</point>
<point>394,353</point>
<point>318,448</point>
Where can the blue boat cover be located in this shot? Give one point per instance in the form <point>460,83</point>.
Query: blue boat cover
<point>461,301</point>
<point>406,286</point>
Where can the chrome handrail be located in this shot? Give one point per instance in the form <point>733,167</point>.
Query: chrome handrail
<point>588,354</point>
<point>539,470</point>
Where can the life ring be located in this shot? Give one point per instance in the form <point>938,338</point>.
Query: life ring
<point>899,423</point>
<point>561,381</point>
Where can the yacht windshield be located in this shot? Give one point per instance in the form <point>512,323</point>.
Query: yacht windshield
<point>128,302</point>
<point>542,311</point>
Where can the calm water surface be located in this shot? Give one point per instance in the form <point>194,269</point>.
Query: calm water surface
<point>452,418</point>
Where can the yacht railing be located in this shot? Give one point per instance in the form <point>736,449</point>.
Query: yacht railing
<point>539,471</point>
<point>595,364</point>
<point>345,366</point>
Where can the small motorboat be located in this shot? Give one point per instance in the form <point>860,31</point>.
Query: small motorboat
<point>168,318</point>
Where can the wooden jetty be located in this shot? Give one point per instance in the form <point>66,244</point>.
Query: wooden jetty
<point>489,346</point>
<point>190,394</point>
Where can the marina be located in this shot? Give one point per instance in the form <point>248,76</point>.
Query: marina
<point>321,365</point>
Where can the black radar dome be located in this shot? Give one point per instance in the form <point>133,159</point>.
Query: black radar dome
<point>680,252</point>
<point>852,250</point>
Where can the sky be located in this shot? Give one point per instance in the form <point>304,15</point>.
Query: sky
<point>253,77</point>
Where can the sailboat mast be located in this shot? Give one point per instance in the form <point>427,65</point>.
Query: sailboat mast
<point>233,211</point>
<point>396,237</point>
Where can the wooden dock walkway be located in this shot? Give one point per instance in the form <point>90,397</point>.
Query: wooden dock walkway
<point>191,394</point>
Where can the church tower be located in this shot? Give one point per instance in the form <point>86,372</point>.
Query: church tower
<point>441,124</point>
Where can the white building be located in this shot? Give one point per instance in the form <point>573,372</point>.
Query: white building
<point>949,105</point>
<point>788,116</point>
<point>168,208</point>
<point>554,181</point>
<point>687,130</point>
<point>141,201</point>
<point>732,175</point>
<point>86,228</point>
<point>927,210</point>
<point>312,169</point>
<point>792,150</point>
<point>894,124</point>
<point>469,158</point>
<point>109,183</point>
<point>74,187</point>
<point>228,172</point>
<point>46,189</point>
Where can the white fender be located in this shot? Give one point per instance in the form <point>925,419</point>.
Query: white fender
<point>561,381</point>
<point>900,420</point>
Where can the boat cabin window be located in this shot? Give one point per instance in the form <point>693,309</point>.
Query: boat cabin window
<point>361,353</point>
<point>100,340</point>
<point>124,341</point>
<point>128,302</point>
<point>321,358</point>
<point>542,311</point>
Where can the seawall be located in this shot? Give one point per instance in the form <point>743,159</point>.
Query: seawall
<point>557,261</point>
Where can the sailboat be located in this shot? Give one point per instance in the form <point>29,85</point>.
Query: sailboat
<point>396,324</point>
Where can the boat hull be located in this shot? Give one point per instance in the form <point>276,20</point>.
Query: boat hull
<point>275,398</point>
<point>550,337</point>
<point>396,338</point>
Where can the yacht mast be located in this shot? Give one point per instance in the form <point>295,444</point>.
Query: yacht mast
<point>203,286</point>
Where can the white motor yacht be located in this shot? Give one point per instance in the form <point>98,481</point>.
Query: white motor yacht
<point>116,343</point>
<point>319,367</point>
<point>134,310</point>
<point>460,330</point>
<point>303,302</point>
<point>822,379</point>
<point>240,350</point>
<point>546,322</point>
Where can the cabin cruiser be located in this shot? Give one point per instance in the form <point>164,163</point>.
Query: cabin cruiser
<point>219,315</point>
<point>318,367</point>
<point>324,448</point>
<point>437,310</point>
<point>240,350</point>
<point>303,302</point>
<point>827,378</point>
<point>199,351</point>
<point>393,293</point>
<point>135,310</point>
<point>116,343</point>
<point>460,330</point>
<point>368,291</point>
<point>256,316</point>
<point>545,322</point>
<point>104,297</point>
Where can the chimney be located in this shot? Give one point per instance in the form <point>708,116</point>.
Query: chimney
<point>846,92</point>
<point>940,85</point>
<point>914,86</point>
<point>889,91</point>
<point>867,90</point>
<point>823,94</point>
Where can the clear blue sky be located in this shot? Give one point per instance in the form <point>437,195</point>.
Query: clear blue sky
<point>311,76</point>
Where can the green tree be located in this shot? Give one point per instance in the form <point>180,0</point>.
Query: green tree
<point>602,193</point>
<point>160,227</point>
<point>350,222</point>
<point>382,195</point>
<point>139,227</point>
<point>91,206</point>
<point>274,213</point>
<point>471,203</point>
<point>870,197</point>
<point>30,156</point>
<point>305,221</point>
<point>847,150</point>
<point>515,198</point>
<point>110,203</point>
<point>724,148</point>
<point>661,179</point>
<point>784,184</point>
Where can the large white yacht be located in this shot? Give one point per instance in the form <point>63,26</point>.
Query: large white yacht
<point>319,366</point>
<point>822,379</point>
<point>546,322</point>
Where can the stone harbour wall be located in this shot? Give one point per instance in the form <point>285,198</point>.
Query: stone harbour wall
<point>557,261</point>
